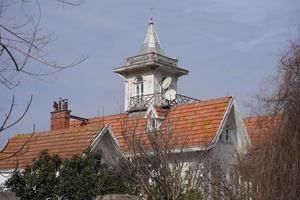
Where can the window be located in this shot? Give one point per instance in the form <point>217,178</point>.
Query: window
<point>152,124</point>
<point>139,86</point>
<point>227,133</point>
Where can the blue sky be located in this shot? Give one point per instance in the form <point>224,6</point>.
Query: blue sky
<point>229,47</point>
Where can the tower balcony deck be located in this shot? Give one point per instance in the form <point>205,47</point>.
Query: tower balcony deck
<point>139,103</point>
<point>151,57</point>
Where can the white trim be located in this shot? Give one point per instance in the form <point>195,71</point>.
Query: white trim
<point>223,122</point>
<point>6,174</point>
<point>149,110</point>
<point>245,139</point>
<point>108,128</point>
<point>219,131</point>
<point>241,119</point>
<point>152,109</point>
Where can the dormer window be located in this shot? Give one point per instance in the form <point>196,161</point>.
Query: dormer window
<point>154,119</point>
<point>139,86</point>
<point>153,123</point>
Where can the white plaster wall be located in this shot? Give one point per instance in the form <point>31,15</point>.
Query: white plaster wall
<point>152,84</point>
<point>109,150</point>
<point>130,87</point>
<point>6,174</point>
<point>243,140</point>
<point>3,179</point>
<point>225,151</point>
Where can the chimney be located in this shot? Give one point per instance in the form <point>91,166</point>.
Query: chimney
<point>60,116</point>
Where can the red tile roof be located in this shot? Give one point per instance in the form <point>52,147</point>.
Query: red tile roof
<point>261,127</point>
<point>197,122</point>
<point>194,124</point>
<point>65,142</point>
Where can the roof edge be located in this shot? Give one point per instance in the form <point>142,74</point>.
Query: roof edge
<point>108,128</point>
<point>222,124</point>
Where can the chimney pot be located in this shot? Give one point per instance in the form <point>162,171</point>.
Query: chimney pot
<point>60,117</point>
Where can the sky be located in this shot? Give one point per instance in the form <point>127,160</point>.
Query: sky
<point>229,47</point>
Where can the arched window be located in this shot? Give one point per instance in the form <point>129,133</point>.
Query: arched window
<point>139,86</point>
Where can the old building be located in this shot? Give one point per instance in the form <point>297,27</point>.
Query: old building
<point>151,102</point>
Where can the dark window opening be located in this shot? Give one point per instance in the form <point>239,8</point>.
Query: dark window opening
<point>227,134</point>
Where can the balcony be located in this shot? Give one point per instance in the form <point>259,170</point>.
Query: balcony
<point>138,103</point>
<point>151,58</point>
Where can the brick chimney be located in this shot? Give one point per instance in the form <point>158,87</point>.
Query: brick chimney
<point>60,116</point>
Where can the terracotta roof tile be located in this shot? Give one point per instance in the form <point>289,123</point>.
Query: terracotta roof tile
<point>192,124</point>
<point>65,142</point>
<point>261,127</point>
<point>198,122</point>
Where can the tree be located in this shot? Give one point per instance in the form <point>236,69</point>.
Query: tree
<point>23,44</point>
<point>271,169</point>
<point>23,52</point>
<point>158,165</point>
<point>81,177</point>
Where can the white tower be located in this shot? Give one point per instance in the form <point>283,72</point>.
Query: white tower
<point>144,74</point>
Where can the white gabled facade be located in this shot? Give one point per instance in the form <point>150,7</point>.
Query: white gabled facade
<point>231,139</point>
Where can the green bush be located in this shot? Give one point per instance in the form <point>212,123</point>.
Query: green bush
<point>81,177</point>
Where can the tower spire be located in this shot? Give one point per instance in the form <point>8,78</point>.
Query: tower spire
<point>151,42</point>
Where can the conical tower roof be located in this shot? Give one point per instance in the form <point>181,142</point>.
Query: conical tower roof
<point>151,42</point>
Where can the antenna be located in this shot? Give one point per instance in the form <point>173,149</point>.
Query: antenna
<point>151,13</point>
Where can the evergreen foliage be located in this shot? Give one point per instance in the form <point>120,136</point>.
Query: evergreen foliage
<point>81,177</point>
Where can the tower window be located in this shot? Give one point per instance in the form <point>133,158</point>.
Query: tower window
<point>139,85</point>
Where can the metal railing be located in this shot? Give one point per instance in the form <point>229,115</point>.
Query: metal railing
<point>143,101</point>
<point>151,57</point>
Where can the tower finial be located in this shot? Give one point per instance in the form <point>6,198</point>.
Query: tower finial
<point>151,42</point>
<point>151,15</point>
<point>151,21</point>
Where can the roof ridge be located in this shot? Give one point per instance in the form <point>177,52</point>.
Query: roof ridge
<point>74,124</point>
<point>59,131</point>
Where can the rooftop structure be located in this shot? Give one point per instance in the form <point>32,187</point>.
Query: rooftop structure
<point>144,75</point>
<point>151,43</point>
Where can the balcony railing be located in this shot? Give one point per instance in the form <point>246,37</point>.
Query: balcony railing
<point>143,101</point>
<point>151,57</point>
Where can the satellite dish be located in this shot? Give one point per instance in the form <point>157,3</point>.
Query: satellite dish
<point>166,83</point>
<point>170,95</point>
